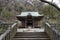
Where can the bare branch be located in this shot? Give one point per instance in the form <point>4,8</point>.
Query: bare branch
<point>53,4</point>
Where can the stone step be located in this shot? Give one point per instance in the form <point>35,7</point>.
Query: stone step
<point>31,33</point>
<point>38,36</point>
<point>31,39</point>
<point>31,36</point>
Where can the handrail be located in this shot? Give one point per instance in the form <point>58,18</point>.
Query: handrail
<point>48,24</point>
<point>13,30</point>
<point>8,33</point>
<point>4,34</point>
<point>13,25</point>
<point>52,28</point>
<point>52,32</point>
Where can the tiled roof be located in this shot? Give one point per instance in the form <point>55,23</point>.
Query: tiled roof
<point>32,13</point>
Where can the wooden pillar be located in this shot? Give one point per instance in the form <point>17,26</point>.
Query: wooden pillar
<point>38,23</point>
<point>23,24</point>
<point>33,24</point>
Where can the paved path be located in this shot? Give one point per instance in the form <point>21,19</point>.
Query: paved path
<point>30,30</point>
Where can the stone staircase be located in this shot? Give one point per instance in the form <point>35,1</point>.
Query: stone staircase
<point>31,36</point>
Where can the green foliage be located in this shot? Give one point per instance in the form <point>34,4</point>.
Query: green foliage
<point>50,11</point>
<point>18,7</point>
<point>2,29</point>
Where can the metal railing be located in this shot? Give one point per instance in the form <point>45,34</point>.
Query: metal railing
<point>51,30</point>
<point>10,32</point>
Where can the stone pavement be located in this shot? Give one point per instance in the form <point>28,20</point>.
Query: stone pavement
<point>30,30</point>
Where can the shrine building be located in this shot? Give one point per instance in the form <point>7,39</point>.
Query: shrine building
<point>30,19</point>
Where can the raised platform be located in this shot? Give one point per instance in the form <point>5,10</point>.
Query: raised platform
<point>30,30</point>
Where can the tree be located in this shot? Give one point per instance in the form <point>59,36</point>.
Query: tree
<point>53,4</point>
<point>50,11</point>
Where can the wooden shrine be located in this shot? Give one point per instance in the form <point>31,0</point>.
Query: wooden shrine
<point>30,19</point>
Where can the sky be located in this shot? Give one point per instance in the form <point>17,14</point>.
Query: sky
<point>57,2</point>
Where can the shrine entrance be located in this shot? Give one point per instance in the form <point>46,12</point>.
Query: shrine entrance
<point>29,23</point>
